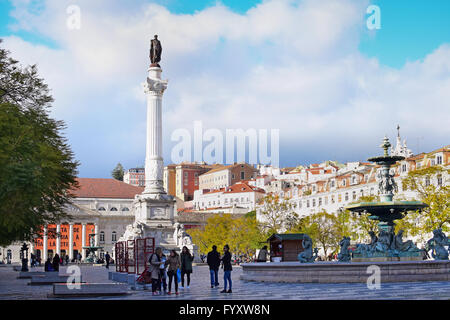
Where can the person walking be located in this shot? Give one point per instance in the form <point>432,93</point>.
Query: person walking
<point>162,274</point>
<point>108,259</point>
<point>67,259</point>
<point>155,262</point>
<point>262,255</point>
<point>79,258</point>
<point>56,261</point>
<point>173,263</point>
<point>227,268</point>
<point>48,265</point>
<point>186,266</point>
<point>213,260</point>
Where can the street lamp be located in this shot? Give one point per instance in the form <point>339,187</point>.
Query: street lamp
<point>24,255</point>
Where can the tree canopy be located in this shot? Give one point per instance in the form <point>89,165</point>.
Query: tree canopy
<point>242,234</point>
<point>37,166</point>
<point>117,172</point>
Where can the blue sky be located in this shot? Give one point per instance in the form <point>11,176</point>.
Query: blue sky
<point>331,81</point>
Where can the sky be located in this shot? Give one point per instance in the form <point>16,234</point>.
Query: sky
<point>311,69</point>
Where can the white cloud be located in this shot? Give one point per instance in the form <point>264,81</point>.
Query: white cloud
<point>292,65</point>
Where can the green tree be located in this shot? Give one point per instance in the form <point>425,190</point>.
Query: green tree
<point>277,215</point>
<point>437,195</point>
<point>117,172</point>
<point>242,234</point>
<point>37,167</point>
<point>322,228</point>
<point>360,223</point>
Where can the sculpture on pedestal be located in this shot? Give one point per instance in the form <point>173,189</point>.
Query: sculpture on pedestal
<point>307,254</point>
<point>344,254</point>
<point>437,245</point>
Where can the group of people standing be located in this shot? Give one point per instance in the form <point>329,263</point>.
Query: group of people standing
<point>214,260</point>
<point>177,266</point>
<point>161,266</point>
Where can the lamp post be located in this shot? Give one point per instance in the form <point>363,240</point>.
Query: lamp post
<point>24,256</point>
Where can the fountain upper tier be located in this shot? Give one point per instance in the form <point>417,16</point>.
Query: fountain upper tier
<point>386,210</point>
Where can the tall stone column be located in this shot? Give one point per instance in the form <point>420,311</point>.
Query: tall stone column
<point>44,245</point>
<point>58,239</point>
<point>154,88</point>
<point>83,240</point>
<point>71,241</point>
<point>96,234</point>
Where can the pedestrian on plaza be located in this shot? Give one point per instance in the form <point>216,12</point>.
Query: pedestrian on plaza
<point>79,258</point>
<point>56,262</point>
<point>186,266</point>
<point>154,263</point>
<point>262,255</point>
<point>108,259</point>
<point>48,265</point>
<point>173,263</point>
<point>163,275</point>
<point>227,268</point>
<point>67,259</point>
<point>33,260</point>
<point>213,260</point>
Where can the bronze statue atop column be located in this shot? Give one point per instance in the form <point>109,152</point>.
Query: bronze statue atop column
<point>155,52</point>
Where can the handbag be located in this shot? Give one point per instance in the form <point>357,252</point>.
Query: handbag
<point>179,275</point>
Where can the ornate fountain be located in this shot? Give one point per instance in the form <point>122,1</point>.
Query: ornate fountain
<point>91,249</point>
<point>387,246</point>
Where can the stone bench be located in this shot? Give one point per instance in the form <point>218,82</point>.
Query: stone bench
<point>29,274</point>
<point>49,278</point>
<point>129,278</point>
<point>90,289</point>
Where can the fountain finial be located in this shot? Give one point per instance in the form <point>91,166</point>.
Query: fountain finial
<point>386,145</point>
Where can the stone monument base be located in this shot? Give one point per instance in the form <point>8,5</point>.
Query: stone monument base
<point>346,272</point>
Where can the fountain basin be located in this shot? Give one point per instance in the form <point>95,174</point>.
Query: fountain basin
<point>391,209</point>
<point>346,272</point>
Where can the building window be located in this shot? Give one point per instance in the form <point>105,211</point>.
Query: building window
<point>439,180</point>
<point>101,209</point>
<point>332,183</point>
<point>346,196</point>
<point>354,195</point>
<point>307,203</point>
<point>114,236</point>
<point>102,236</point>
<point>404,167</point>
<point>427,181</point>
<point>125,209</point>
<point>320,202</point>
<point>113,209</point>
<point>314,202</point>
<point>242,175</point>
<point>332,199</point>
<point>185,174</point>
<point>438,159</point>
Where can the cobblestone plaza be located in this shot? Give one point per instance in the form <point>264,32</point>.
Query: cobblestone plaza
<point>12,288</point>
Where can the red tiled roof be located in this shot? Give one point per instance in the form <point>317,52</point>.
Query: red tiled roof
<point>105,188</point>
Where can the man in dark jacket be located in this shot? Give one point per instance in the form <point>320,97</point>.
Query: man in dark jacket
<point>227,268</point>
<point>213,260</point>
<point>107,258</point>
<point>56,261</point>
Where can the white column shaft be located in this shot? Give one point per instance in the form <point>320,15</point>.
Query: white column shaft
<point>44,245</point>
<point>58,239</point>
<point>71,241</point>
<point>96,234</point>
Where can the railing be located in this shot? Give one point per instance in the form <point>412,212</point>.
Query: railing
<point>132,255</point>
